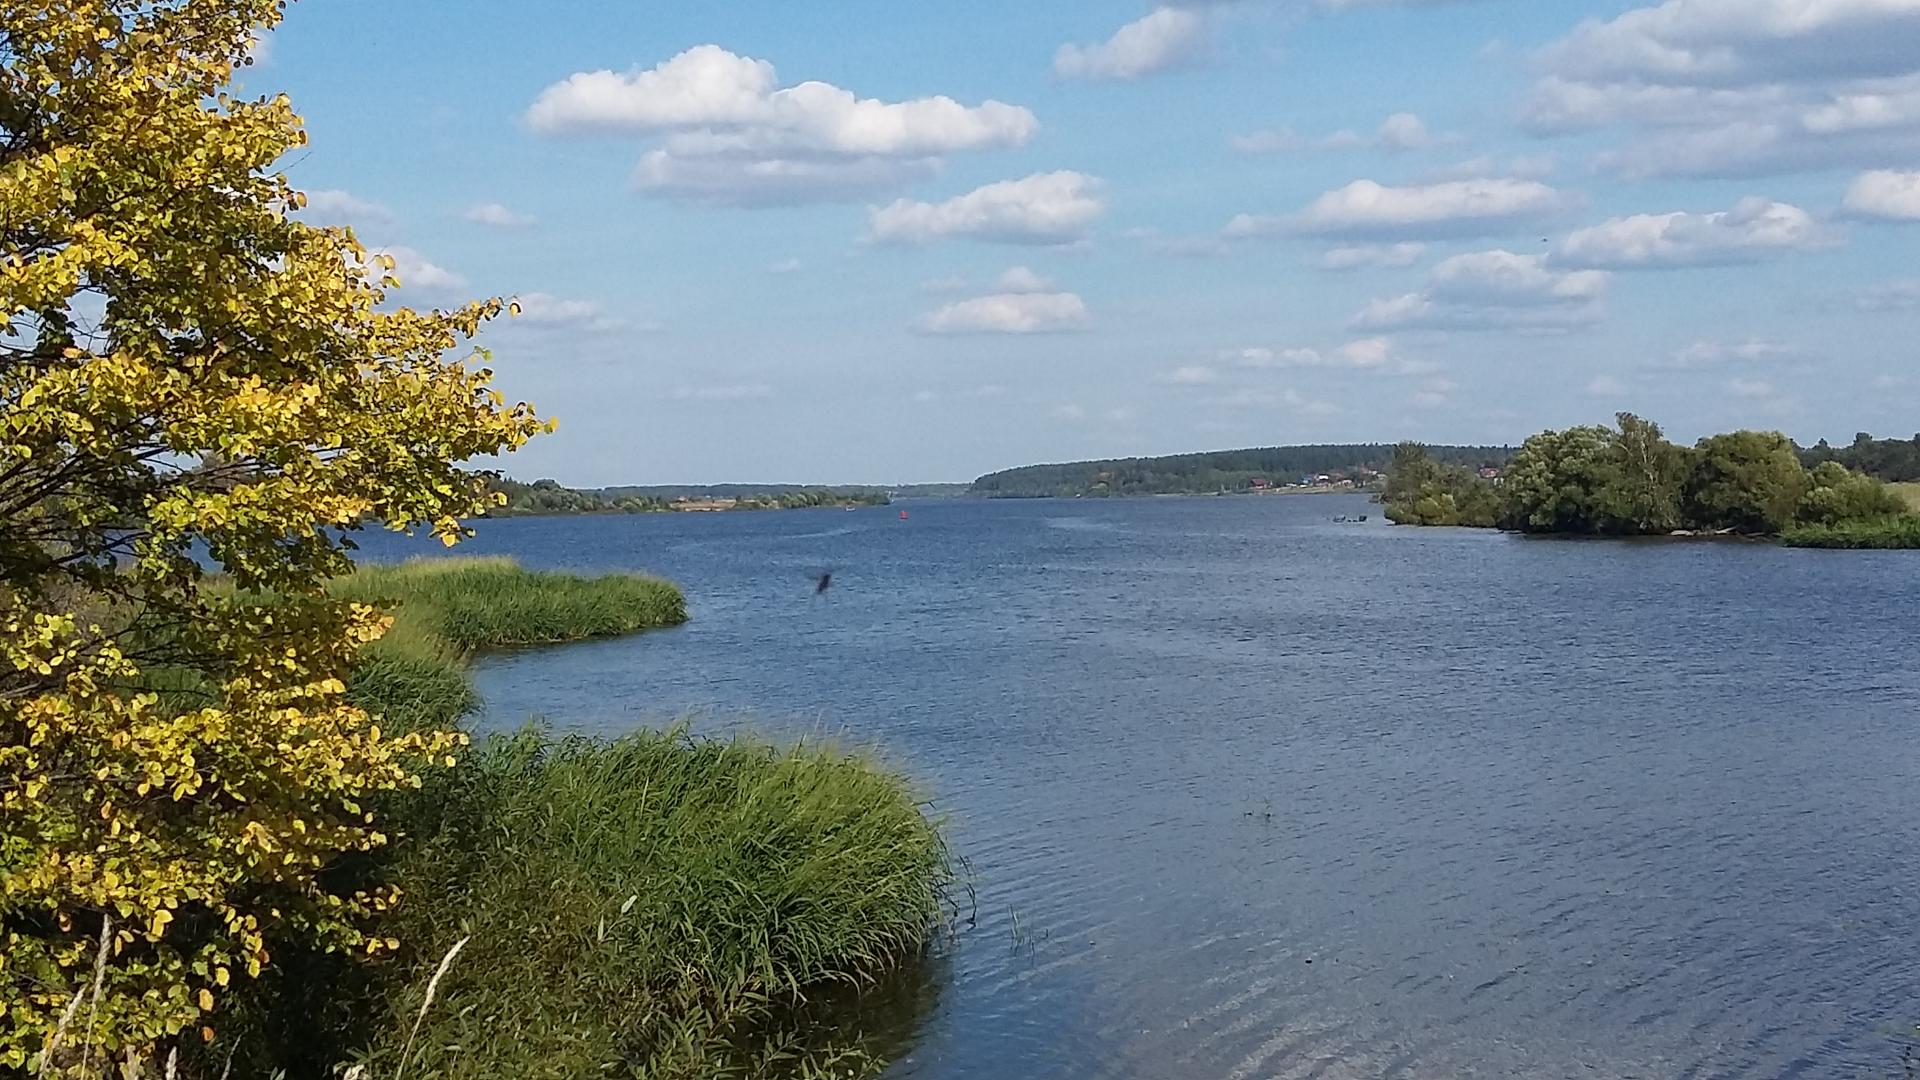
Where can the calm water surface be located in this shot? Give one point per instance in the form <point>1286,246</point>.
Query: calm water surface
<point>1246,793</point>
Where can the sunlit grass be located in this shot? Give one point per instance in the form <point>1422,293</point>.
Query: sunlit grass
<point>445,610</point>
<point>644,903</point>
<point>1909,491</point>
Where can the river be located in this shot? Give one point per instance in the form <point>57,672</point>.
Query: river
<point>1247,793</point>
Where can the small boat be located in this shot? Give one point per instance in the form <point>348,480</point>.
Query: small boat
<point>1350,519</point>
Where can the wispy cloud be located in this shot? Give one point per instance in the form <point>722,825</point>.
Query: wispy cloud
<point>1045,208</point>
<point>496,215</point>
<point>1164,38</point>
<point>1009,313</point>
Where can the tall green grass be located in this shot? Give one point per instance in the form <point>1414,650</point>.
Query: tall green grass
<point>1909,491</point>
<point>446,610</point>
<point>1902,531</point>
<point>654,906</point>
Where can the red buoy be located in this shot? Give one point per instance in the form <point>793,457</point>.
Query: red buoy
<point>903,515</point>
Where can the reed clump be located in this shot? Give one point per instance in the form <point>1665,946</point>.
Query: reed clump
<point>446,610</point>
<point>1899,532</point>
<point>653,906</point>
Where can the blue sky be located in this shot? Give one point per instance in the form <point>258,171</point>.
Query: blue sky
<point>865,242</point>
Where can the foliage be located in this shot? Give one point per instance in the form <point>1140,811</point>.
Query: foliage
<point>1641,479</point>
<point>1553,484</point>
<point>1745,482</point>
<point>1910,492</point>
<point>1422,491</point>
<point>187,371</point>
<point>1226,470</point>
<point>1630,481</point>
<point>1836,495</point>
<point>1598,480</point>
<point>1901,531</point>
<point>646,906</point>
<point>1888,459</point>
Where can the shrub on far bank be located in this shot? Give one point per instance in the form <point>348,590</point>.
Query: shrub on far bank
<point>1630,481</point>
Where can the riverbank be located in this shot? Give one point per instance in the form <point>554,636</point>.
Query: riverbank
<point>653,904</point>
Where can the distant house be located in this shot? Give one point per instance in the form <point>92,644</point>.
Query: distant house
<point>1259,483</point>
<point>1489,473</point>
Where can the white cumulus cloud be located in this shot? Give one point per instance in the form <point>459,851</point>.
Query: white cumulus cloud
<point>1491,290</point>
<point>1754,230</point>
<point>1009,313</point>
<point>1740,87</point>
<point>731,134</point>
<point>1045,208</point>
<point>1886,194</point>
<point>1164,38</point>
<point>1454,208</point>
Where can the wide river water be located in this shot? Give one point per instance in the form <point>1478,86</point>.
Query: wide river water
<point>1247,793</point>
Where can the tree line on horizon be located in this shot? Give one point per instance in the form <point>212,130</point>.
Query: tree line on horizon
<point>1206,473</point>
<point>549,497</point>
<point>1629,480</point>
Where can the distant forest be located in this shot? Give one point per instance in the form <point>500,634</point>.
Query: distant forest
<point>1896,460</point>
<point>547,497</point>
<point>1223,470</point>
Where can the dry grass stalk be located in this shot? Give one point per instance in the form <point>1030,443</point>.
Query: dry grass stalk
<point>66,1017</point>
<point>433,986</point>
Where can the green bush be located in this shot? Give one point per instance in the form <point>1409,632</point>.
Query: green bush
<point>1838,495</point>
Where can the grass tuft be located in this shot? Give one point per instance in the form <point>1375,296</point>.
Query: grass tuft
<point>1902,531</point>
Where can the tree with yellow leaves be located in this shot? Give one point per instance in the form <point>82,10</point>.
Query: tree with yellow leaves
<point>190,378</point>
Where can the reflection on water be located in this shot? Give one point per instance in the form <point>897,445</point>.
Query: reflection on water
<point>1246,793</point>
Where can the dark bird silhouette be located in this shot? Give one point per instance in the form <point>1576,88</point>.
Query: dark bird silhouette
<point>823,582</point>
